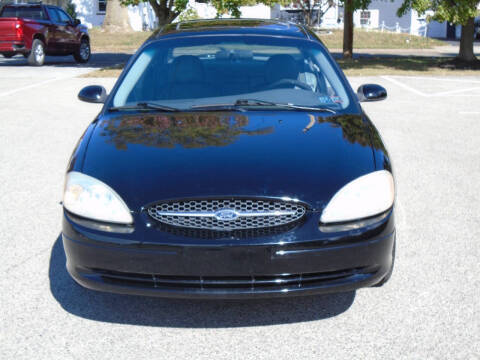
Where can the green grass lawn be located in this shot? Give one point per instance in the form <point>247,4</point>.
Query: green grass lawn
<point>379,40</point>
<point>129,42</point>
<point>365,66</point>
<point>116,42</point>
<point>414,65</point>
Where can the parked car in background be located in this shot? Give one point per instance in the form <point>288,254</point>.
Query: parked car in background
<point>231,159</point>
<point>36,30</point>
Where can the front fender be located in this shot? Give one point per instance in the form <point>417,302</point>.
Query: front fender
<point>76,160</point>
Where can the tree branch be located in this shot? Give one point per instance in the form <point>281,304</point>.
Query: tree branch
<point>155,6</point>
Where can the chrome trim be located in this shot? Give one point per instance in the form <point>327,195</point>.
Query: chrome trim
<point>227,214</point>
<point>212,214</point>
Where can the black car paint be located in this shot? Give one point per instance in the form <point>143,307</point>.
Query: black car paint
<point>371,92</point>
<point>366,253</point>
<point>225,149</point>
<point>228,154</point>
<point>93,94</point>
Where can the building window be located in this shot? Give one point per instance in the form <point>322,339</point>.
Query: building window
<point>102,6</point>
<point>365,18</point>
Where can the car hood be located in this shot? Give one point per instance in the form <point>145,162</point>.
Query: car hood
<point>151,157</point>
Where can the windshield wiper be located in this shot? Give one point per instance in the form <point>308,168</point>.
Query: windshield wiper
<point>256,102</point>
<point>144,106</point>
<point>210,107</point>
<point>261,103</point>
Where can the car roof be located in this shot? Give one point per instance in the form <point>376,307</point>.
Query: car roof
<point>34,4</point>
<point>233,26</point>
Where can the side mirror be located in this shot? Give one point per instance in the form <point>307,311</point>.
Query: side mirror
<point>76,22</point>
<point>93,94</point>
<point>371,92</point>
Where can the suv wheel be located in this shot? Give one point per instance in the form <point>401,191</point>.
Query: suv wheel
<point>8,55</point>
<point>82,54</point>
<point>37,55</point>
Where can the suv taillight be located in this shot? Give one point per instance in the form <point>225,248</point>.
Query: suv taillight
<point>19,29</point>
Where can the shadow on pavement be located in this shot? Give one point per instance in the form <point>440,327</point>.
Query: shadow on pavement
<point>148,311</point>
<point>97,60</point>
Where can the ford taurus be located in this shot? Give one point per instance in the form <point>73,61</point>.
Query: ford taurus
<point>231,159</point>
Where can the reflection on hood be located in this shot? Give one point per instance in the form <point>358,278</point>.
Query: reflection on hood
<point>189,130</point>
<point>354,130</point>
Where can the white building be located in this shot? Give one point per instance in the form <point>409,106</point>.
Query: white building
<point>380,14</point>
<point>293,13</point>
<point>383,15</point>
<point>92,12</point>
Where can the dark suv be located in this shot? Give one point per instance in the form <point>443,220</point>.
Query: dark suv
<point>36,30</point>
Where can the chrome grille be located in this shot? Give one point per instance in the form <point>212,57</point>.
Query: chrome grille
<point>227,214</point>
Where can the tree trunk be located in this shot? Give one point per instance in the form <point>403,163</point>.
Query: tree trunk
<point>348,30</point>
<point>466,41</point>
<point>163,11</point>
<point>309,18</point>
<point>116,17</point>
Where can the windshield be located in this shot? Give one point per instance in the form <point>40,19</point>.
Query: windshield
<point>189,73</point>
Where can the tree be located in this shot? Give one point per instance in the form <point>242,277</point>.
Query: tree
<point>116,17</point>
<point>168,10</point>
<point>231,7</point>
<point>461,12</point>
<point>313,10</point>
<point>71,8</point>
<point>466,41</point>
<point>349,7</point>
<point>188,14</point>
<point>165,10</point>
<point>354,130</point>
<point>188,131</point>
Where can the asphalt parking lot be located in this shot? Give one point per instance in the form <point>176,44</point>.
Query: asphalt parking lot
<point>429,309</point>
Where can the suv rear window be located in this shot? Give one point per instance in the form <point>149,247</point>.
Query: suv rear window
<point>26,12</point>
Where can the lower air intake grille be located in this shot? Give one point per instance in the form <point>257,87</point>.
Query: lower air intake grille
<point>272,282</point>
<point>227,214</point>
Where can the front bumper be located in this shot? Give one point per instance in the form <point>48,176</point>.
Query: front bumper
<point>229,268</point>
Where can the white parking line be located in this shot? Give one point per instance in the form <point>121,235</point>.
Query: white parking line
<point>469,112</point>
<point>463,95</point>
<point>32,86</point>
<point>457,92</point>
<point>445,79</point>
<point>402,85</point>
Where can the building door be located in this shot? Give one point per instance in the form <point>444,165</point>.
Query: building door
<point>451,31</point>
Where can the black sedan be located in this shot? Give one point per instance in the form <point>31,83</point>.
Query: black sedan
<point>231,159</point>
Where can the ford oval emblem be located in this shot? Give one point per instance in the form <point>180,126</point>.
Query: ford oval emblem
<point>226,215</point>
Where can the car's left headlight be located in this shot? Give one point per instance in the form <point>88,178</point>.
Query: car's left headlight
<point>90,198</point>
<point>366,196</point>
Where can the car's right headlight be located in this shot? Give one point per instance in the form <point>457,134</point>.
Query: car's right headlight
<point>367,195</point>
<point>90,198</point>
